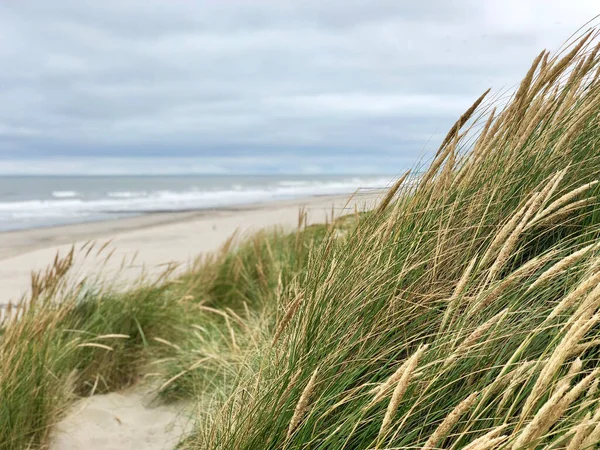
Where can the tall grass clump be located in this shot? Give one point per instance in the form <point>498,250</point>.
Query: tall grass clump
<point>461,313</point>
<point>236,296</point>
<point>65,341</point>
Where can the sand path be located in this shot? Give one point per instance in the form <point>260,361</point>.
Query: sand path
<point>128,420</point>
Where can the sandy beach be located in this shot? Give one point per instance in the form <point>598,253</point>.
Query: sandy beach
<point>147,244</point>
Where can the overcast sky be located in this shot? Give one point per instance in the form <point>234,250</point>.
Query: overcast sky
<point>215,86</point>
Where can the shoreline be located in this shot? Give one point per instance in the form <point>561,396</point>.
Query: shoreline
<point>16,242</point>
<point>143,245</point>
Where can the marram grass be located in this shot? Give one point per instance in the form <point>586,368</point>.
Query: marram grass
<point>487,268</point>
<point>463,312</point>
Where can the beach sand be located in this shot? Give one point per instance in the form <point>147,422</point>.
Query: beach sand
<point>145,245</point>
<point>128,420</point>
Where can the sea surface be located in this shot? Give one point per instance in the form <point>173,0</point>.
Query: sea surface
<point>43,201</point>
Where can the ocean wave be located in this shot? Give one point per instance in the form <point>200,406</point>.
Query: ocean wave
<point>71,205</point>
<point>127,194</point>
<point>65,194</point>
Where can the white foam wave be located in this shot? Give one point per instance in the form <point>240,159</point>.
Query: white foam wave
<point>65,194</point>
<point>127,194</point>
<point>69,206</point>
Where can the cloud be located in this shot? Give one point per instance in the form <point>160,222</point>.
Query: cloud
<point>280,81</point>
<point>249,163</point>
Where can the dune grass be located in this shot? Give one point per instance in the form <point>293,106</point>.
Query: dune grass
<point>70,342</point>
<point>235,296</point>
<point>461,313</point>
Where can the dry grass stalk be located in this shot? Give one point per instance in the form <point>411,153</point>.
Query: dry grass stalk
<point>399,390</point>
<point>291,384</point>
<point>553,410</point>
<point>541,420</point>
<point>475,336</point>
<point>589,64</point>
<point>575,79</point>
<point>553,72</point>
<point>486,145</point>
<point>458,291</point>
<point>561,265</point>
<point>526,83</point>
<point>556,360</point>
<point>581,348</point>
<point>167,343</point>
<point>530,110</point>
<point>435,165</point>
<point>392,192</point>
<point>489,443</point>
<point>461,121</point>
<point>444,428</point>
<point>470,168</point>
<point>577,124</point>
<point>583,287</point>
<point>593,437</point>
<point>406,369</point>
<point>287,317</point>
<point>586,308</point>
<point>112,336</point>
<point>481,149</point>
<point>581,432</point>
<point>567,101</point>
<point>526,269</point>
<point>544,63</point>
<point>505,232</point>
<point>484,134</point>
<point>559,216</point>
<point>183,372</point>
<point>556,180</point>
<point>592,440</point>
<point>95,345</point>
<point>447,170</point>
<point>303,404</point>
<point>549,188</point>
<point>579,388</point>
<point>576,76</point>
<point>523,370</point>
<point>511,242</point>
<point>532,124</point>
<point>231,334</point>
<point>391,220</point>
<point>489,440</point>
<point>574,369</point>
<point>592,390</point>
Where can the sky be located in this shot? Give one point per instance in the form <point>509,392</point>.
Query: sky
<point>255,86</point>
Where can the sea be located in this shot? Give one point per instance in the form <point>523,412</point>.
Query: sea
<point>43,201</point>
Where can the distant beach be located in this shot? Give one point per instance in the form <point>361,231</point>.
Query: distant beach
<point>146,243</point>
